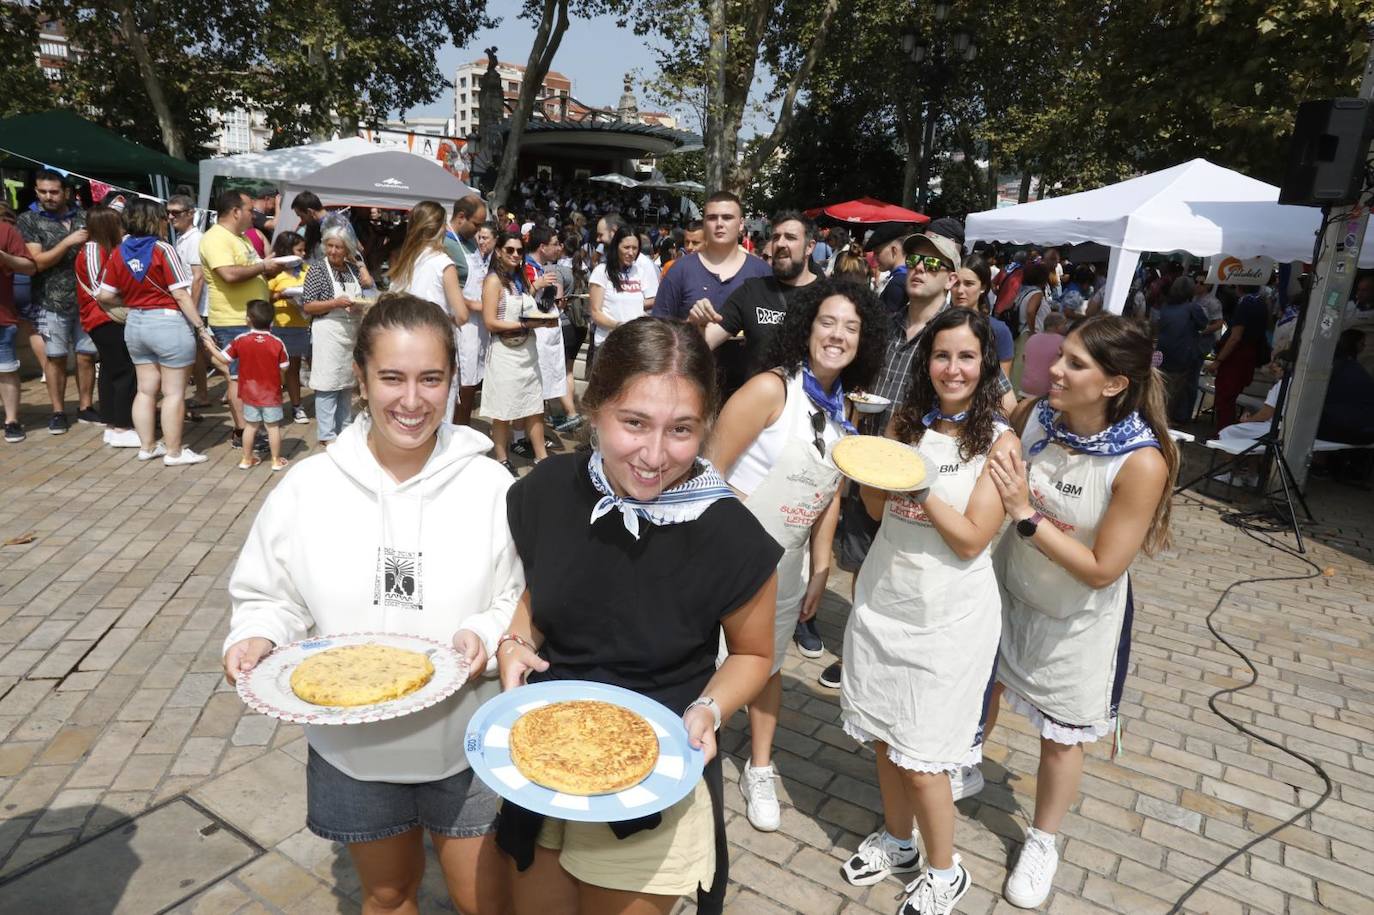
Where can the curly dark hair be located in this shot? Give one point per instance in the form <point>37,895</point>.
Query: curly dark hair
<point>977,433</point>
<point>792,345</point>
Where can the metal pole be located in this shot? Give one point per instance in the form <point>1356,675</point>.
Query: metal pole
<point>1334,274</point>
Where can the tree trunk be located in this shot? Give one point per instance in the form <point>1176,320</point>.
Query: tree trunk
<point>927,154</point>
<point>743,174</point>
<point>912,125</point>
<point>315,56</point>
<point>1023,195</point>
<point>715,99</point>
<point>546,41</point>
<point>151,81</point>
<point>993,179</point>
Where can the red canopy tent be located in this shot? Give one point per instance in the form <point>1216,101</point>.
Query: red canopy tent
<point>867,211</point>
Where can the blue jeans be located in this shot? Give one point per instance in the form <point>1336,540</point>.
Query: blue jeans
<point>333,411</point>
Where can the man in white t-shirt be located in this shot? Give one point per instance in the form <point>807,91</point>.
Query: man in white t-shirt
<point>181,214</point>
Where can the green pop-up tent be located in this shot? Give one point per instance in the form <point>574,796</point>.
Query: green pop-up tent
<point>70,142</point>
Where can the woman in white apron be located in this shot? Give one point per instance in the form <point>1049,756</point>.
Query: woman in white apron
<point>921,642</point>
<point>1088,490</point>
<point>772,443</point>
<point>332,288</point>
<point>512,389</point>
<point>473,337</point>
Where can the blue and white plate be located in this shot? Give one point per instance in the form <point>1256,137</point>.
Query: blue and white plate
<point>488,748</point>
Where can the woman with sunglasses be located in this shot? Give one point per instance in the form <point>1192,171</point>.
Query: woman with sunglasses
<point>921,642</point>
<point>772,444</point>
<point>512,389</point>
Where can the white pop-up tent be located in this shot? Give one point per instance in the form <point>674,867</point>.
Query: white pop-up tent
<point>1197,207</point>
<point>387,178</point>
<point>278,166</point>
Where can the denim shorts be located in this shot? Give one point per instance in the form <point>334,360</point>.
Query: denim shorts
<point>344,809</point>
<point>223,337</point>
<point>9,359</point>
<point>295,339</point>
<point>62,332</point>
<point>269,415</point>
<point>161,336</point>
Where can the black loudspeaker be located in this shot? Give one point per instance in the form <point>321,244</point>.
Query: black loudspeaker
<point>1328,153</point>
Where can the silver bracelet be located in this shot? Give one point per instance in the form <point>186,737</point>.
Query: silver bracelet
<point>709,703</point>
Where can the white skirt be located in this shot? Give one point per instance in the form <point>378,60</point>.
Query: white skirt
<point>512,388</point>
<point>473,341</point>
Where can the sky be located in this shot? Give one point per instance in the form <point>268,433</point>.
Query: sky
<point>582,57</point>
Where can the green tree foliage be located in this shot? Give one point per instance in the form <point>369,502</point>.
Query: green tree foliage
<point>25,87</point>
<point>310,64</point>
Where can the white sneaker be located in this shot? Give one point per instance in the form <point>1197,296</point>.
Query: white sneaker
<point>127,438</point>
<point>761,797</point>
<point>878,856</point>
<point>187,456</point>
<point>158,451</point>
<point>967,782</point>
<point>1031,879</point>
<point>929,895</point>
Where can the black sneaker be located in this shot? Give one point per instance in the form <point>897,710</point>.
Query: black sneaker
<point>511,467</point>
<point>14,433</point>
<point>523,448</point>
<point>90,416</point>
<point>808,639</point>
<point>261,446</point>
<point>58,424</point>
<point>830,677</point>
<point>236,439</point>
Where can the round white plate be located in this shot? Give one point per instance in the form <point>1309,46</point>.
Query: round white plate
<point>488,747</point>
<point>287,260</point>
<point>871,403</point>
<point>294,292</point>
<point>906,454</point>
<point>267,687</point>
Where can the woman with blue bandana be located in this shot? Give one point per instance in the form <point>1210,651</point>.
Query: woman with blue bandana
<point>772,444</point>
<point>1088,491</point>
<point>637,557</point>
<point>921,644</point>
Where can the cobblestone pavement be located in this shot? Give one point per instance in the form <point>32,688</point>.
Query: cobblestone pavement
<point>111,702</point>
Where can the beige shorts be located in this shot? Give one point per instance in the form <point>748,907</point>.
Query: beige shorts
<point>667,861</point>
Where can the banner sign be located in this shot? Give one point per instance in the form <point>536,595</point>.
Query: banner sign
<point>1236,271</point>
<point>450,152</point>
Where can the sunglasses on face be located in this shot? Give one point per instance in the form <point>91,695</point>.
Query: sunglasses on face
<point>930,262</point>
<point>513,250</point>
<point>175,213</point>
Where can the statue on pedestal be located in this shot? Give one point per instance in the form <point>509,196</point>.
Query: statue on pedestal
<point>491,112</point>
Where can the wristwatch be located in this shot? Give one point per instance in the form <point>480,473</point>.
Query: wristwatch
<point>709,703</point>
<point>1026,526</point>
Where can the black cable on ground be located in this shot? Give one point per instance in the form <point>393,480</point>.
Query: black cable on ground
<point>1250,524</point>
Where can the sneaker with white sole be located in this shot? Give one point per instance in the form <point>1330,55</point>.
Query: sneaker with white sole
<point>929,895</point>
<point>830,677</point>
<point>122,438</point>
<point>878,856</point>
<point>298,416</point>
<point>1030,881</point>
<point>761,797</point>
<point>967,782</point>
<point>187,456</point>
<point>158,451</point>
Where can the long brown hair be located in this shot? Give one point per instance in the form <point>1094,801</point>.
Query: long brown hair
<point>105,227</point>
<point>652,346</point>
<point>425,233</point>
<point>977,432</point>
<point>1121,347</point>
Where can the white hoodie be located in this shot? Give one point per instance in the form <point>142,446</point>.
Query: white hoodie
<point>339,547</point>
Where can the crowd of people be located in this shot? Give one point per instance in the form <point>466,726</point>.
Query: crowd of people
<point>717,386</point>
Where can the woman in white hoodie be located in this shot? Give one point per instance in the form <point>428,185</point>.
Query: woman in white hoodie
<point>400,488</point>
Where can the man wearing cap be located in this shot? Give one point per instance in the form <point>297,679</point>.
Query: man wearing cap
<point>885,244</point>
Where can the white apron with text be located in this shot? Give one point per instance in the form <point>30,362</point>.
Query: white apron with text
<point>332,336</point>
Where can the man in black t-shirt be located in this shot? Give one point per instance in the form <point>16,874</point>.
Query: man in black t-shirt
<point>757,307</point>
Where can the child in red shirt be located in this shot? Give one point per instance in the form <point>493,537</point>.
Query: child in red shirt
<point>261,356</point>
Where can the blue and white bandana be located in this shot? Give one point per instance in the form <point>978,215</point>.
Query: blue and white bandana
<point>1119,438</point>
<point>830,403</point>
<point>137,252</point>
<point>684,502</point>
<point>934,416</point>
